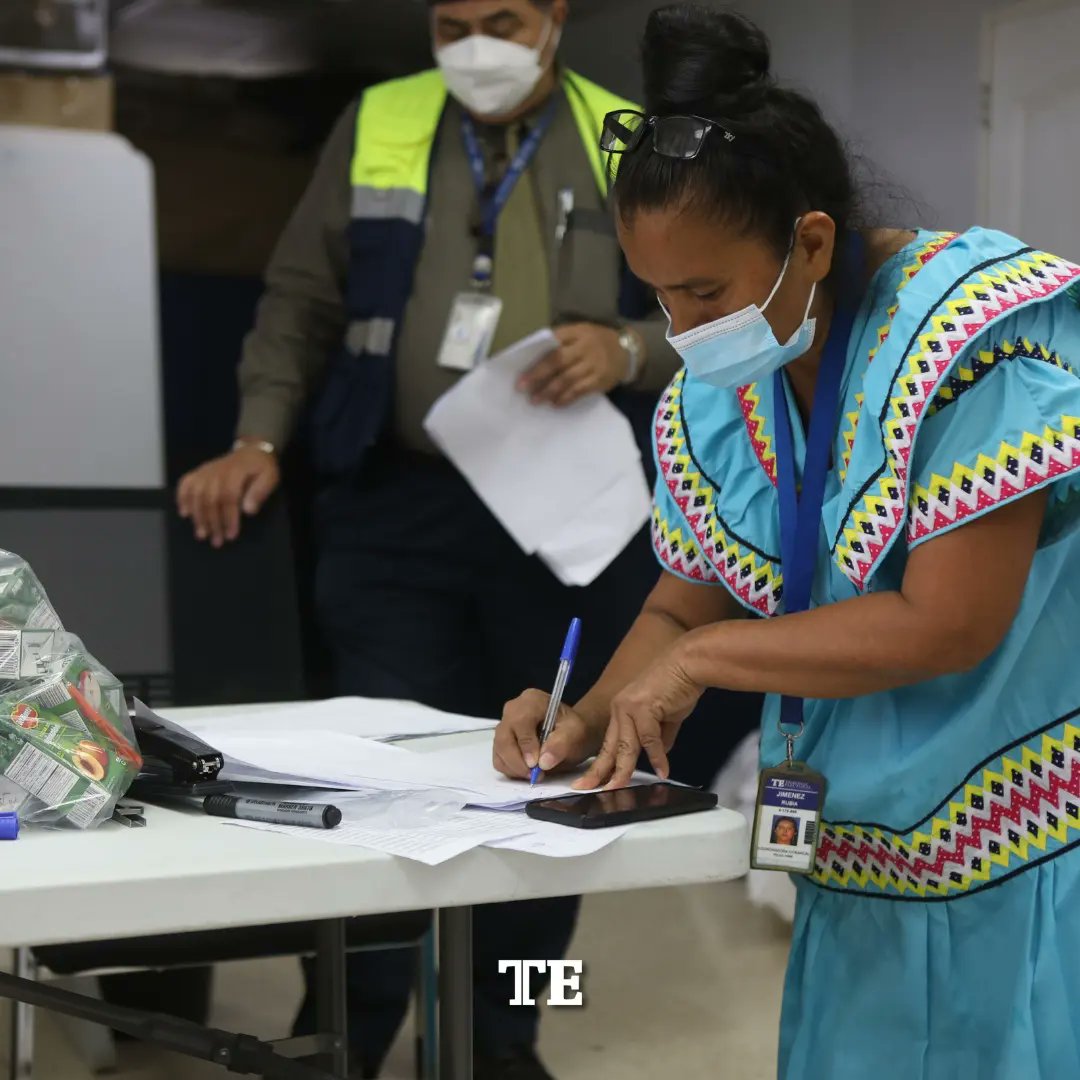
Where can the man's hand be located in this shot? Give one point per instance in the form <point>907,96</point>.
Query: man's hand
<point>214,495</point>
<point>589,361</point>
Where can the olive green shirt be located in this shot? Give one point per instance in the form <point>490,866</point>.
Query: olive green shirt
<point>301,319</point>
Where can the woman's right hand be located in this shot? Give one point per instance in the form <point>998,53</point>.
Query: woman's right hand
<point>517,738</point>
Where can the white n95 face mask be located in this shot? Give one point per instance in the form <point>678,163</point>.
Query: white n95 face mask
<point>491,77</point>
<point>741,348</point>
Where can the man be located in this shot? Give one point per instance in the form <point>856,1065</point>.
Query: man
<point>425,208</point>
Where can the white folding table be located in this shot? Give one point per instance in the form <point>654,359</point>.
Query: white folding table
<point>186,872</point>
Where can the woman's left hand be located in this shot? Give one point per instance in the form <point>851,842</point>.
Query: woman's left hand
<point>646,715</point>
<point>590,361</point>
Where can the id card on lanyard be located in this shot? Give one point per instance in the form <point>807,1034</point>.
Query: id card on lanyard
<point>791,795</point>
<point>474,316</point>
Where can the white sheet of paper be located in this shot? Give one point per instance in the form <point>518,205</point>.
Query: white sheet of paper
<point>366,717</point>
<point>534,466</point>
<point>431,845</point>
<point>588,543</point>
<point>469,770</point>
<point>439,841</point>
<point>560,841</point>
<point>323,759</point>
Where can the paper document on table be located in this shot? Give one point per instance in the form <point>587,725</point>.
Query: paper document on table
<point>437,841</point>
<point>325,759</point>
<point>430,844</point>
<point>538,469</point>
<point>383,720</point>
<point>469,770</point>
<point>560,841</point>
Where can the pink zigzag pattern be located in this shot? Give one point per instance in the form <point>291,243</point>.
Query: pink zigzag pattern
<point>920,868</point>
<point>900,432</point>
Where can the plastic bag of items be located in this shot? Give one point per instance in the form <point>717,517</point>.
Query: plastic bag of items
<point>67,747</point>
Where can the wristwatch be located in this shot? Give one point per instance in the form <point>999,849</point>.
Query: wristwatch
<point>255,444</point>
<point>631,344</point>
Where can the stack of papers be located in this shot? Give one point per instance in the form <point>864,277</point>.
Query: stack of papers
<point>383,720</point>
<point>428,807</point>
<point>567,484</point>
<point>323,759</point>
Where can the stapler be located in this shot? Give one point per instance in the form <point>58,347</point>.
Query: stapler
<point>175,762</point>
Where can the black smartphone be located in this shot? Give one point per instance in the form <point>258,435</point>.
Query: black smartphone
<point>623,806</point>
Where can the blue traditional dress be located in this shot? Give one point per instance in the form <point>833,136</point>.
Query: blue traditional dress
<point>939,937</point>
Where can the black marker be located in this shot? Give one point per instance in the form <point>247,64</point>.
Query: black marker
<point>311,815</point>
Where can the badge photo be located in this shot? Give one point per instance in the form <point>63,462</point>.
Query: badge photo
<point>787,819</point>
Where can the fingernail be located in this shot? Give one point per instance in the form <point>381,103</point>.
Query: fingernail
<point>546,762</point>
<point>530,760</point>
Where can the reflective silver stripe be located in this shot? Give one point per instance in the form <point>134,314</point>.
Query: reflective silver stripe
<point>385,203</point>
<point>374,336</point>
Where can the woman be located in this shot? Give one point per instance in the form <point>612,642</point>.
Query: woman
<point>785,830</point>
<point>938,935</point>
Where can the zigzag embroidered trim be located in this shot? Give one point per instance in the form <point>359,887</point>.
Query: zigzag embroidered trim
<point>992,480</point>
<point>1019,809</point>
<point>750,399</point>
<point>754,578</point>
<point>679,553</point>
<point>920,259</point>
<point>984,297</point>
<point>963,378</point>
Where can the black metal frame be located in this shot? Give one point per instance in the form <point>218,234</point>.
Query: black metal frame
<point>238,1053</point>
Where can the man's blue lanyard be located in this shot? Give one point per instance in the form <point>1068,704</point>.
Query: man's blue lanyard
<point>492,202</point>
<point>800,513</point>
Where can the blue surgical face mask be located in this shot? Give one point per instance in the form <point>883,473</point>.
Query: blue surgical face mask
<point>741,348</point>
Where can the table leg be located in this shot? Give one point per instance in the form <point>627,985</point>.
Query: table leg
<point>332,1003</point>
<point>455,994</point>
<point>22,1021</point>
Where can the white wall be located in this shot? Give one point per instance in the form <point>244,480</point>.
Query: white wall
<point>900,82</point>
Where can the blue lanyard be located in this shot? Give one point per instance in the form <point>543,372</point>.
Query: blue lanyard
<point>800,514</point>
<point>493,204</point>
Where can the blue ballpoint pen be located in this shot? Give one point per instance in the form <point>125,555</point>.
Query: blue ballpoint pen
<point>566,665</point>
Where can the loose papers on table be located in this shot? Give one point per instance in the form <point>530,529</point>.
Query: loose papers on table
<point>428,806</point>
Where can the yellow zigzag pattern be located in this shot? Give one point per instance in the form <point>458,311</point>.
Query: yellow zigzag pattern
<point>679,553</point>
<point>842,847</point>
<point>869,528</point>
<point>921,258</point>
<point>760,440</point>
<point>964,377</point>
<point>754,580</point>
<point>989,481</point>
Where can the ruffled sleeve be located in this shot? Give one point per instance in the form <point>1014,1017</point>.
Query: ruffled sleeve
<point>1005,423</point>
<point>714,517</point>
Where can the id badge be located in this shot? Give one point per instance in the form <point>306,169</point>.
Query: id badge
<point>787,818</point>
<point>474,319</point>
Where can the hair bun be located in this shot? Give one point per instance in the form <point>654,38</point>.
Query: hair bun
<point>700,60</point>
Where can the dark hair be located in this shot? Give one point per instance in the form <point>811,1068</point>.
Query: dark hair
<point>785,159</point>
<point>543,5</point>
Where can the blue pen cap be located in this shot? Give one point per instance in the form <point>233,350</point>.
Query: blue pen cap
<point>9,826</point>
<point>570,646</point>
